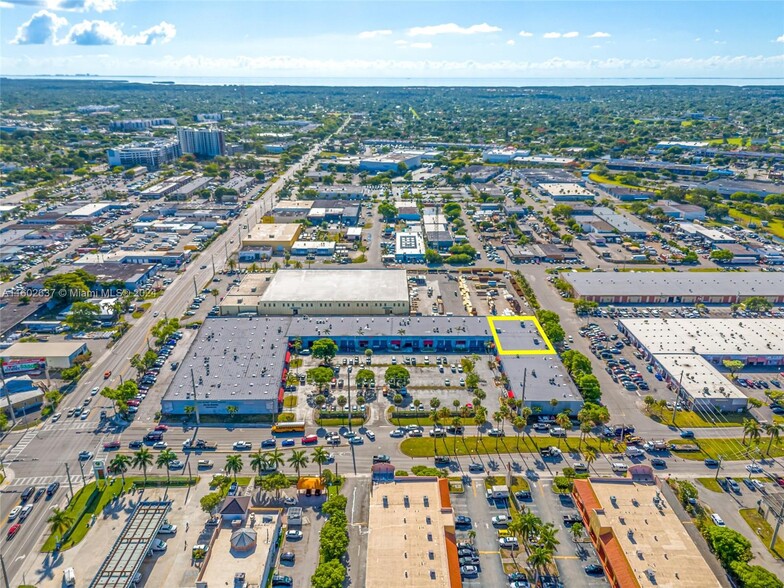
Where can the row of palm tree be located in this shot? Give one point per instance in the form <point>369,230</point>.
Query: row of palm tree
<point>753,431</point>
<point>539,539</point>
<point>259,461</point>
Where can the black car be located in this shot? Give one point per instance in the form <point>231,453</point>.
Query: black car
<point>462,521</point>
<point>288,556</point>
<point>516,577</point>
<point>524,495</point>
<point>38,494</point>
<point>711,463</point>
<point>52,488</point>
<point>658,462</point>
<point>282,580</point>
<point>594,570</point>
<point>268,443</point>
<point>27,493</point>
<point>135,445</point>
<point>470,560</point>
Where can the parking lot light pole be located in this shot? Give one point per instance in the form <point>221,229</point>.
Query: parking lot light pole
<point>349,370</point>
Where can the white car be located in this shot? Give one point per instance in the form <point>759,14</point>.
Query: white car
<point>753,468</point>
<point>290,501</point>
<point>501,520</point>
<point>370,435</point>
<point>56,416</point>
<point>160,445</point>
<point>94,391</point>
<point>242,445</point>
<point>14,513</point>
<point>167,529</point>
<point>398,433</point>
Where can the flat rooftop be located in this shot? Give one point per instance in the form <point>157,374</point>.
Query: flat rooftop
<point>639,526</point>
<point>676,283</point>
<point>128,552</point>
<point>316,285</point>
<point>408,529</point>
<point>47,349</point>
<point>711,337</point>
<point>272,232</point>
<point>701,379</point>
<point>225,561</point>
<point>561,189</point>
<point>233,359</point>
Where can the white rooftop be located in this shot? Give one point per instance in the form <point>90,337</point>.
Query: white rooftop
<point>344,285</point>
<point>711,337</point>
<point>700,377</point>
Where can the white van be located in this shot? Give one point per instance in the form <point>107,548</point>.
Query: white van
<point>620,468</point>
<point>69,577</point>
<point>717,520</point>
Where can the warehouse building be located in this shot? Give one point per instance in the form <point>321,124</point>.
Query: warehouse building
<point>391,162</point>
<point>278,236</point>
<point>639,538</point>
<point>35,357</point>
<point>566,192</point>
<point>676,287</point>
<point>411,535</point>
<point>409,248</point>
<point>320,292</point>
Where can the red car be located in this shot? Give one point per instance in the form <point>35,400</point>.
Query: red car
<point>161,428</point>
<point>780,481</point>
<point>309,439</point>
<point>13,530</point>
<point>111,445</point>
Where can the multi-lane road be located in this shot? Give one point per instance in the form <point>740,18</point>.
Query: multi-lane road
<point>38,456</point>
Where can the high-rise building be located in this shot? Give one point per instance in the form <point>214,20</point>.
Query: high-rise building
<point>208,142</point>
<point>151,155</point>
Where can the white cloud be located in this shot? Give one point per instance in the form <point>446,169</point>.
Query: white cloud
<point>717,31</point>
<point>698,39</point>
<point>426,45</point>
<point>452,29</point>
<point>599,35</point>
<point>41,28</point>
<point>510,42</point>
<point>571,35</point>
<point>780,39</point>
<point>526,34</point>
<point>401,42</point>
<point>374,34</point>
<point>101,32</point>
<point>552,35</point>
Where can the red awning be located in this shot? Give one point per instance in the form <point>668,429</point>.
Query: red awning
<point>288,357</point>
<point>510,394</point>
<point>280,395</point>
<point>396,342</point>
<point>285,373</point>
<point>427,342</point>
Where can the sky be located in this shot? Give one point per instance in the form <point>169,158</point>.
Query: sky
<point>516,39</point>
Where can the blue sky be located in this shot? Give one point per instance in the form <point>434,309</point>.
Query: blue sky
<point>372,39</point>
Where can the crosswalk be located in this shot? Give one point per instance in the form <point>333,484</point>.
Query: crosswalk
<point>17,449</point>
<point>69,426</point>
<point>40,480</point>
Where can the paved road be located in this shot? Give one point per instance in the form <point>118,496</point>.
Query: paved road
<point>39,455</point>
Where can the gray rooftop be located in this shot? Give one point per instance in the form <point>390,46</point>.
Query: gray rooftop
<point>127,553</point>
<point>676,283</point>
<point>537,371</point>
<point>369,326</point>
<point>618,221</point>
<point>316,285</point>
<point>233,359</point>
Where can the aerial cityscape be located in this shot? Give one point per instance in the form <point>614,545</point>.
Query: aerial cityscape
<point>358,294</point>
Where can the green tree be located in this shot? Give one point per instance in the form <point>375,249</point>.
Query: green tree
<point>320,376</point>
<point>329,574</point>
<point>164,460</point>
<point>320,457</point>
<point>721,255</point>
<point>258,462</point>
<point>234,464</point>
<point>728,544</point>
<point>589,388</point>
<point>432,256</point>
<point>365,377</point>
<point>333,539</point>
<point>275,483</point>
<point>142,459</point>
<point>757,304</point>
<point>70,286</point>
<point>324,349</point>
<point>752,430</point>
<point>59,521</point>
<point>298,460</point>
<point>754,576</point>
<point>733,365</point>
<point>209,502</point>
<point>773,430</point>
<point>397,376</point>
<point>82,316</point>
<point>119,465</point>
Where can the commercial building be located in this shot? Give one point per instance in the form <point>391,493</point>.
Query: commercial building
<point>151,155</point>
<point>632,165</point>
<point>278,236</point>
<point>165,258</point>
<point>409,247</point>
<point>35,357</point>
<point>619,222</point>
<point>313,248</point>
<point>208,117</point>
<point>712,236</point>
<point>504,155</point>
<point>207,143</point>
<point>411,535</point>
<point>196,184</point>
<point>566,192</point>
<point>678,211</point>
<point>164,188</point>
<point>141,124</point>
<point>639,538</point>
<point>231,362</point>
<point>133,276</point>
<point>391,162</point>
<point>91,209</point>
<point>676,287</point>
<point>320,292</point>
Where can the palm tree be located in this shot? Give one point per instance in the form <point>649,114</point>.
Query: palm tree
<point>752,429</point>
<point>119,465</point>
<point>649,401</point>
<point>275,458</point>
<point>142,459</point>
<point>526,413</point>
<point>590,456</point>
<point>539,558</point>
<point>234,465</point>
<point>164,460</point>
<point>320,457</point>
<point>585,429</point>
<point>547,537</point>
<point>562,420</point>
<point>480,416</point>
<point>298,460</point>
<point>529,526</point>
<point>577,531</point>
<point>59,521</point>
<point>258,462</point>
<point>774,430</point>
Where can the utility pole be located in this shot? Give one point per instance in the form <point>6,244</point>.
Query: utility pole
<point>779,518</point>
<point>195,288</point>
<point>5,574</point>
<point>81,468</point>
<point>70,484</point>
<point>349,370</point>
<point>718,468</point>
<point>195,404</point>
<point>677,398</point>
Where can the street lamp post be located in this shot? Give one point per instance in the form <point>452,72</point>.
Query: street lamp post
<point>350,369</point>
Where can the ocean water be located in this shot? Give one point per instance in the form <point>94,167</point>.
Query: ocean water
<point>381,81</point>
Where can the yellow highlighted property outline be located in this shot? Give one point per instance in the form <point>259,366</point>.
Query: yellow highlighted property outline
<point>501,351</point>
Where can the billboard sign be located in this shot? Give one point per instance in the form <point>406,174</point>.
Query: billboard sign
<point>28,364</point>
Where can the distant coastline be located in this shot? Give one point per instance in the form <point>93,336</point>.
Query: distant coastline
<point>422,82</point>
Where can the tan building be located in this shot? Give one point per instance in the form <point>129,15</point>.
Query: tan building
<point>411,535</point>
<point>313,292</point>
<point>279,236</point>
<point>31,357</point>
<point>639,539</point>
